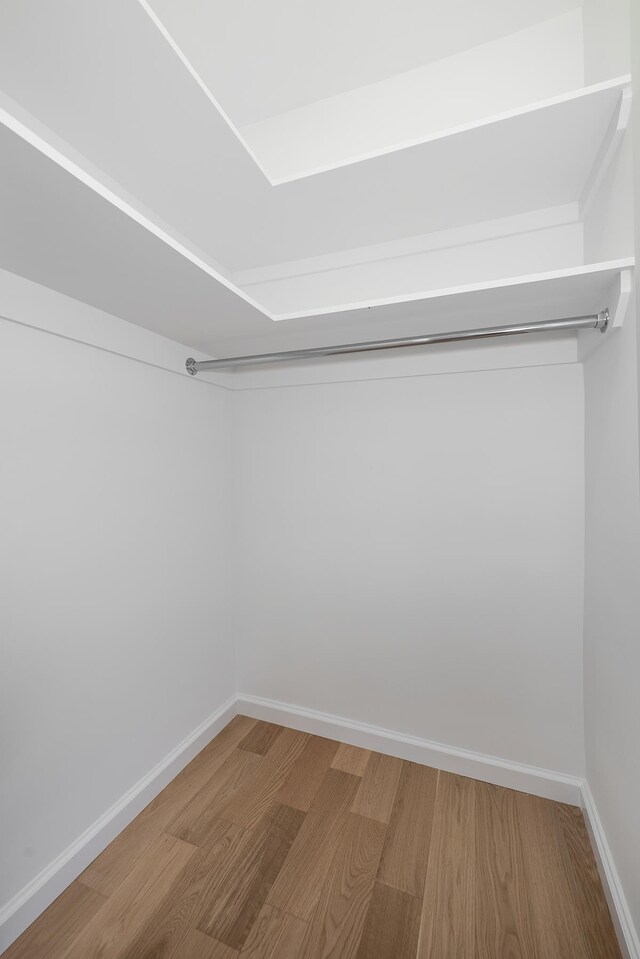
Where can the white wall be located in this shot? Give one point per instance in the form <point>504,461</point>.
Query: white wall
<point>612,600</point>
<point>608,224</point>
<point>114,609</point>
<point>612,495</point>
<point>410,554</point>
<point>606,38</point>
<point>612,568</point>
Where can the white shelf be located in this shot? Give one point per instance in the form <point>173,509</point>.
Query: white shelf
<point>533,159</point>
<point>571,292</point>
<point>179,156</point>
<point>65,230</point>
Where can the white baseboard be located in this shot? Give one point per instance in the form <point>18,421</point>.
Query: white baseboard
<point>34,898</point>
<point>618,906</point>
<point>491,769</point>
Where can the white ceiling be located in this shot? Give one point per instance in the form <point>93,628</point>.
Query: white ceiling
<point>248,52</point>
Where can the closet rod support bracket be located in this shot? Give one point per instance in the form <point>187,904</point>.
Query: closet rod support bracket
<point>602,325</point>
<point>190,366</point>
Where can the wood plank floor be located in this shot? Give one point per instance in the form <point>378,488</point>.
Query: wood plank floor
<point>274,844</point>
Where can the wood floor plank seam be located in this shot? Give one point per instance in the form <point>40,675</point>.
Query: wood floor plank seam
<point>582,873</point>
<point>351,759</point>
<point>114,928</point>
<point>338,919</point>
<point>403,864</point>
<point>392,926</point>
<point>172,923</point>
<point>259,790</point>
<point>276,934</point>
<point>200,946</point>
<point>447,926</point>
<point>503,924</point>
<point>193,822</point>
<point>260,738</point>
<point>296,887</point>
<point>108,870</point>
<point>242,893</point>
<point>54,931</point>
<point>378,788</point>
<point>305,778</point>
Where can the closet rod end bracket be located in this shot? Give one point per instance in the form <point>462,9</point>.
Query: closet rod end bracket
<point>603,321</point>
<point>190,366</point>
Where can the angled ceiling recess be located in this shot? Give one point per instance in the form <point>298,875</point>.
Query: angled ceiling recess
<point>370,170</point>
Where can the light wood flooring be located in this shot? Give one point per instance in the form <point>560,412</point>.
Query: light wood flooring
<point>274,844</point>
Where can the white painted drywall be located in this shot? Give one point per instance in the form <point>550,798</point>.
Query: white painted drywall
<point>606,38</point>
<point>612,538</point>
<point>608,224</point>
<point>114,609</point>
<point>612,599</point>
<point>481,81</point>
<point>31,304</point>
<point>410,554</point>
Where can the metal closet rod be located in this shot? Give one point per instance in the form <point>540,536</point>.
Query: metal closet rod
<point>594,321</point>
